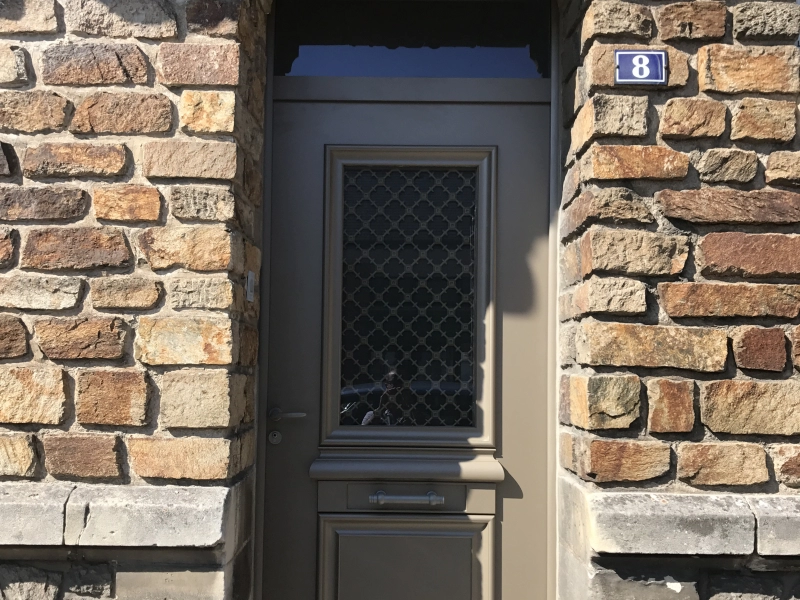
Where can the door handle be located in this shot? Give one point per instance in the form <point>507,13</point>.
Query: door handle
<point>383,499</point>
<point>276,414</point>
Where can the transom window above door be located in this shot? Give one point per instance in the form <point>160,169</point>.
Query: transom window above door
<point>412,38</point>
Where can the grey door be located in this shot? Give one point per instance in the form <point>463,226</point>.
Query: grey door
<point>429,485</point>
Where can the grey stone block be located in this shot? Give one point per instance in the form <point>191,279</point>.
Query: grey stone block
<point>33,513</point>
<point>175,585</point>
<point>744,587</point>
<point>88,582</point>
<point>778,518</point>
<point>611,585</point>
<point>170,516</point>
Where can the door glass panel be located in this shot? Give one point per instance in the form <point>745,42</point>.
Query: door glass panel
<point>408,297</point>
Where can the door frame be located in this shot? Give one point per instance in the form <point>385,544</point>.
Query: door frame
<point>555,184</point>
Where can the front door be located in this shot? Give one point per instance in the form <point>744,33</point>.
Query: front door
<point>407,367</point>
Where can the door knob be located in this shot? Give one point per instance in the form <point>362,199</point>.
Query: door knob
<point>276,414</point>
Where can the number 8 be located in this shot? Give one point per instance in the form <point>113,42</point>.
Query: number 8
<point>640,68</point>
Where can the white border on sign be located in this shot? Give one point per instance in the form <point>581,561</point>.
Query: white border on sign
<point>662,53</point>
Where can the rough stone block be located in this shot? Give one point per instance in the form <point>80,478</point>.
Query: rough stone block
<point>28,16</point>
<point>202,459</point>
<point>123,112</point>
<point>199,248</point>
<point>17,456</point>
<point>566,451</point>
<point>185,341</point>
<point>603,460</point>
<point>33,513</point>
<point>93,64</point>
<point>604,401</point>
<point>53,203</point>
<point>794,338</point>
<point>28,583</point>
<point>176,585</point>
<point>200,292</point>
<point>761,120</point>
<point>208,111</point>
<point>786,459</point>
<point>7,246</point>
<point>749,255</point>
<point>74,338</point>
<point>610,295</point>
<point>94,581</point>
<point>36,111</point>
<point>743,587</point>
<point>197,398</point>
<point>75,160</point>
<point>599,67</point>
<point>92,456</point>
<point>612,18</point>
<point>105,515</point>
<point>760,348</point>
<point>111,397</point>
<point>32,395</point>
<point>133,203</point>
<point>614,205</point>
<point>632,252</point>
<point>35,292</point>
<point>187,159</point>
<point>728,205</point>
<point>686,118</point>
<point>740,69</point>
<point>607,163</point>
<point>125,292</point>
<point>633,345</point>
<point>766,21</point>
<point>726,463</point>
<point>154,19</point>
<point>671,404</point>
<point>783,167</point>
<point>13,68</point>
<point>700,20</point>
<point>198,64</point>
<point>202,203</point>
<point>75,248</point>
<point>751,407</point>
<point>727,164</point>
<point>644,584</point>
<point>778,518</point>
<point>609,116</point>
<point>13,337</point>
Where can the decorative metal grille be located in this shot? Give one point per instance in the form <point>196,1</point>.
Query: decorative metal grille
<point>408,297</point>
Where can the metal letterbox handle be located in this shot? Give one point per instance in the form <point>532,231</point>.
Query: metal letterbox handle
<point>383,499</point>
<point>276,414</point>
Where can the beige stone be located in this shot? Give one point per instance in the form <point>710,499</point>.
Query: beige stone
<point>72,338</point>
<point>610,295</point>
<point>208,112</point>
<point>200,160</point>
<point>17,456</point>
<point>32,395</point>
<point>134,203</point>
<point>199,292</point>
<point>685,118</point>
<point>766,21</point>
<point>751,407</point>
<point>759,119</point>
<point>125,112</point>
<point>37,111</point>
<point>201,459</point>
<point>13,337</point>
<point>786,459</point>
<point>604,401</point>
<point>82,456</point>
<point>35,292</point>
<point>198,64</point>
<point>200,398</point>
<point>604,460</point>
<point>202,203</point>
<point>698,20</point>
<point>632,252</point>
<point>671,404</point>
<point>604,116</point>
<point>13,70</point>
<point>783,168</point>
<point>610,162</point>
<point>712,463</point>
<point>75,160</point>
<point>199,248</point>
<point>7,245</point>
<point>111,397</point>
<point>185,341</point>
<point>632,345</point>
<point>125,292</point>
<point>153,19</point>
<point>740,69</point>
<point>28,16</point>
<point>727,164</point>
<point>612,18</point>
<point>615,205</point>
<point>93,64</point>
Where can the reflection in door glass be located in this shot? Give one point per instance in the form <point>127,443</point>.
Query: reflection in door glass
<point>408,297</point>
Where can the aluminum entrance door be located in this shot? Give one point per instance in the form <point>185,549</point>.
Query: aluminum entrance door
<point>408,340</point>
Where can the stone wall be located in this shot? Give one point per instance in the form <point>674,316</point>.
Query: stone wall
<point>678,303</point>
<point>130,191</point>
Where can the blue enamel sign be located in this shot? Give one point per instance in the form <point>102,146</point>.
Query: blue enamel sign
<point>641,66</point>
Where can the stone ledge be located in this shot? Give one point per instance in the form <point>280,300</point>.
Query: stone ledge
<point>46,514</point>
<point>778,518</point>
<point>654,523</point>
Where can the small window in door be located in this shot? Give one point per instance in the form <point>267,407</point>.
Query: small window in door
<point>412,38</point>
